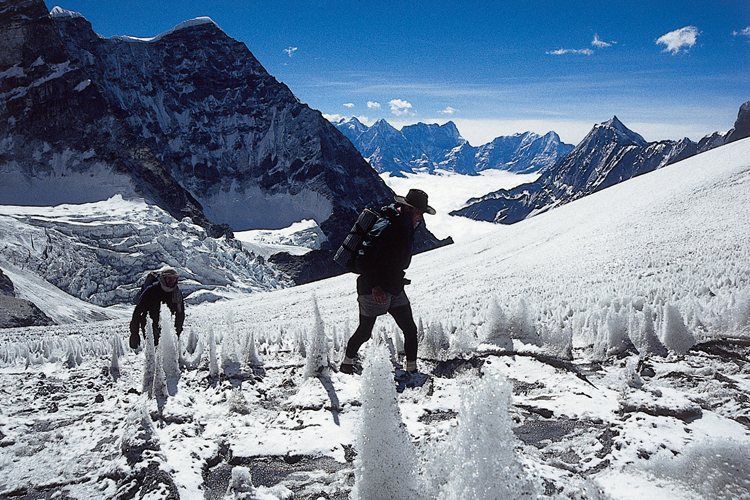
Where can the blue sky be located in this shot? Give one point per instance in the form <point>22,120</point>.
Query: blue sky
<point>667,69</point>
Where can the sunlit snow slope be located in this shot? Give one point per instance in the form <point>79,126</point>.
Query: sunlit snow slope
<point>662,255</point>
<point>675,237</point>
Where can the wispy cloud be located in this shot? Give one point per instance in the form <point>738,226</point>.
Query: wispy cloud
<point>373,105</point>
<point>681,39</point>
<point>745,32</point>
<point>290,51</point>
<point>400,107</point>
<point>349,104</point>
<point>447,111</point>
<point>598,43</point>
<point>559,52</point>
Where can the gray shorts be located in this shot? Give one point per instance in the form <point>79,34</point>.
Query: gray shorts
<point>370,309</point>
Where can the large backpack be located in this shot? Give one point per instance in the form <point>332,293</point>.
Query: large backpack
<point>151,278</point>
<point>346,255</point>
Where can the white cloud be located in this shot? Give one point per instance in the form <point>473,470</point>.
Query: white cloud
<point>290,51</point>
<point>448,111</point>
<point>333,118</point>
<point>745,32</point>
<point>559,52</point>
<point>337,118</point>
<point>596,42</point>
<point>400,107</point>
<point>349,105</point>
<point>373,105</point>
<point>681,39</point>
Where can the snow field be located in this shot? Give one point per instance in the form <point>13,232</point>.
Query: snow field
<point>653,265</point>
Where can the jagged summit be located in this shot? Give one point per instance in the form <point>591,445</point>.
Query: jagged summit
<point>610,153</point>
<point>741,127</point>
<point>58,12</point>
<point>382,124</point>
<point>622,131</point>
<point>429,147</point>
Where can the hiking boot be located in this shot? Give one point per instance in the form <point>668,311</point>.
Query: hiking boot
<point>347,365</point>
<point>347,368</point>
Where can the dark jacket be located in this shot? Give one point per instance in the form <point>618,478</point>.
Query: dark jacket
<point>150,303</point>
<point>385,253</point>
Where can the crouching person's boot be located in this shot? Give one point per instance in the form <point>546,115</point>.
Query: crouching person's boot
<point>347,366</point>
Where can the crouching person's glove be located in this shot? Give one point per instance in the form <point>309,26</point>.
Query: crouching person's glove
<point>135,337</point>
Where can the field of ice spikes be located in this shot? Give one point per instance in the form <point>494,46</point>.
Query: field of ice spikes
<point>595,351</point>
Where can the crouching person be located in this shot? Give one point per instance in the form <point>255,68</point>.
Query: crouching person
<point>148,302</point>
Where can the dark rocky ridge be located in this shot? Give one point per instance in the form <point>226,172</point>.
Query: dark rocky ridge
<point>15,312</point>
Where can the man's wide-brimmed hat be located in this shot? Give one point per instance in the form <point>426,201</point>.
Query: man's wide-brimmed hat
<point>416,198</point>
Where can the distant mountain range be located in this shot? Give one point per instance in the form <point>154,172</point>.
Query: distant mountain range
<point>430,147</point>
<point>609,154</point>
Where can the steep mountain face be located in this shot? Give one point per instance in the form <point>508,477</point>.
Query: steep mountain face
<point>60,138</point>
<point>741,127</point>
<point>609,154</point>
<point>386,149</point>
<point>189,120</point>
<point>234,137</point>
<point>423,147</point>
<point>432,141</point>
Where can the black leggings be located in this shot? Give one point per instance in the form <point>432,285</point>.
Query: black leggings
<point>404,320</point>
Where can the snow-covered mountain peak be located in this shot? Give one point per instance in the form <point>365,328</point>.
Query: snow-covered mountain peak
<point>622,131</point>
<point>59,12</point>
<point>198,21</point>
<point>609,154</point>
<point>184,26</point>
<point>432,147</point>
<point>209,133</point>
<point>382,125</point>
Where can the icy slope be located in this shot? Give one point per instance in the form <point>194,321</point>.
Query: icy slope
<point>100,252</point>
<point>660,261</point>
<point>676,236</point>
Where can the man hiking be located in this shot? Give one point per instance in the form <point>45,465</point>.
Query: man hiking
<point>381,261</point>
<point>148,302</point>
